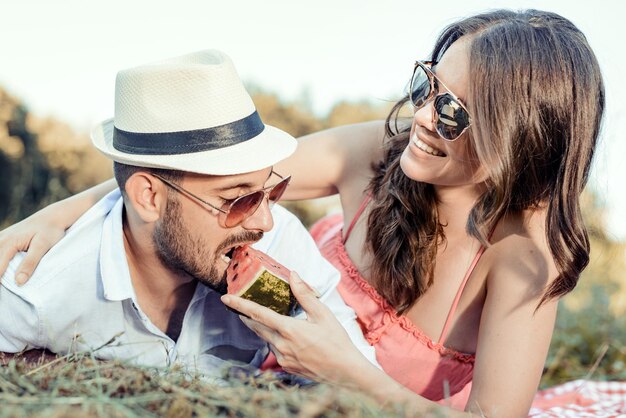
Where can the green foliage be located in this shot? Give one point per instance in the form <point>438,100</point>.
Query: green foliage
<point>26,181</point>
<point>589,342</point>
<point>41,161</point>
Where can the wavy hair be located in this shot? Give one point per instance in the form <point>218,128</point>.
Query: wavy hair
<point>536,98</point>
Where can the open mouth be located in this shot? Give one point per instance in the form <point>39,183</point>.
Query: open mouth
<point>228,255</point>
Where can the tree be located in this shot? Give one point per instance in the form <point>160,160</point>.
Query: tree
<point>41,161</point>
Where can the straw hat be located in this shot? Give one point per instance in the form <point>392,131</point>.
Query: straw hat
<point>190,113</point>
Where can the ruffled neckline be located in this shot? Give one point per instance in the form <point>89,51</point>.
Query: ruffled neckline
<point>388,311</point>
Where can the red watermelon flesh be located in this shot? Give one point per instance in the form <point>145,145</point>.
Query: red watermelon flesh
<point>255,276</point>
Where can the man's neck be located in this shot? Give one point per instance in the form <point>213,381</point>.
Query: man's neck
<point>162,293</point>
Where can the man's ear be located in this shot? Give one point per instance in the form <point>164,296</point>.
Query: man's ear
<point>147,196</point>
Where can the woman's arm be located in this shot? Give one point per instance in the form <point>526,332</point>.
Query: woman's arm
<point>326,160</point>
<point>40,231</point>
<point>514,335</point>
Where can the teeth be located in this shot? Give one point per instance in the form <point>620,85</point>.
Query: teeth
<point>426,148</point>
<point>225,258</point>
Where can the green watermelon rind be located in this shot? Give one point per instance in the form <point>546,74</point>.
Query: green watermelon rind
<point>270,291</point>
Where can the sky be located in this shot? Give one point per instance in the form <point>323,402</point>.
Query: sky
<point>60,58</point>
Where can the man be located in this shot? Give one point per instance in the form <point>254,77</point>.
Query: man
<point>139,276</point>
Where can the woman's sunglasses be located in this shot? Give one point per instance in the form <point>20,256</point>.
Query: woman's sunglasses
<point>452,117</point>
<point>234,212</point>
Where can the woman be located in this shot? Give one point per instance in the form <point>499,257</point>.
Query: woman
<point>464,220</point>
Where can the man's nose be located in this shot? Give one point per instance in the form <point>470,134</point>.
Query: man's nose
<point>261,219</point>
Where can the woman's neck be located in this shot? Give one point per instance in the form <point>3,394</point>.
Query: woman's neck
<point>455,203</point>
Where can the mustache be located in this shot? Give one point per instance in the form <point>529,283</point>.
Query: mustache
<point>244,237</point>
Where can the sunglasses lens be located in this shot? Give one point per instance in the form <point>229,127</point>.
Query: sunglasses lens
<point>246,205</point>
<point>420,89</point>
<point>277,191</point>
<point>243,207</point>
<point>452,118</point>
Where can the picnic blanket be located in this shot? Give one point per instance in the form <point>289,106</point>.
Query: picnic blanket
<point>581,398</point>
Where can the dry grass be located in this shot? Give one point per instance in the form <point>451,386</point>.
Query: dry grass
<point>80,386</point>
<point>587,344</point>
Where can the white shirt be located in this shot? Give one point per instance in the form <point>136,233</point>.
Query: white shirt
<point>81,297</point>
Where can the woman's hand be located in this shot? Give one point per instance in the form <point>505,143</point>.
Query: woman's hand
<point>317,347</point>
<point>35,235</point>
<point>40,231</point>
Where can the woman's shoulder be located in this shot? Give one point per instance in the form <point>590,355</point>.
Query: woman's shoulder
<point>520,254</point>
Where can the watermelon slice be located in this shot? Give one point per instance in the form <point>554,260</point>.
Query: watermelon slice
<point>255,276</point>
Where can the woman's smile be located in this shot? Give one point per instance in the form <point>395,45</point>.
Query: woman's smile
<point>427,148</point>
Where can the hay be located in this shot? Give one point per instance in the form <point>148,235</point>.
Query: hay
<point>78,385</point>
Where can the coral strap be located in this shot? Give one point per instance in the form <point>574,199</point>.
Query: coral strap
<point>356,217</point>
<point>446,326</point>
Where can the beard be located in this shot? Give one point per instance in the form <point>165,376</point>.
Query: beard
<point>180,251</point>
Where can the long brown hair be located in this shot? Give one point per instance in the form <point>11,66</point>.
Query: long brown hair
<point>536,98</point>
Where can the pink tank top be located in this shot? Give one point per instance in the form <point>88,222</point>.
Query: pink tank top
<point>405,353</point>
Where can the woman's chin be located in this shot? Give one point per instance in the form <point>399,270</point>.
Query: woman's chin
<point>410,167</point>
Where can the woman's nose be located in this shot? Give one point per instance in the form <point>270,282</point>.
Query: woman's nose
<point>425,116</point>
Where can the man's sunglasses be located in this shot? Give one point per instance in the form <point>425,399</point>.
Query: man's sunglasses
<point>234,212</point>
<point>452,118</point>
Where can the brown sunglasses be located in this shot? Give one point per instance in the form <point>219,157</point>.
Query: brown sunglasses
<point>451,116</point>
<point>234,212</point>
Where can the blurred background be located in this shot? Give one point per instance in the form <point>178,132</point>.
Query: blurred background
<point>308,66</point>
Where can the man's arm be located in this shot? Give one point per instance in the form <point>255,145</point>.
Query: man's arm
<point>19,321</point>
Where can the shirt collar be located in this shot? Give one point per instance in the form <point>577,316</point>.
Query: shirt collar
<point>116,280</point>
